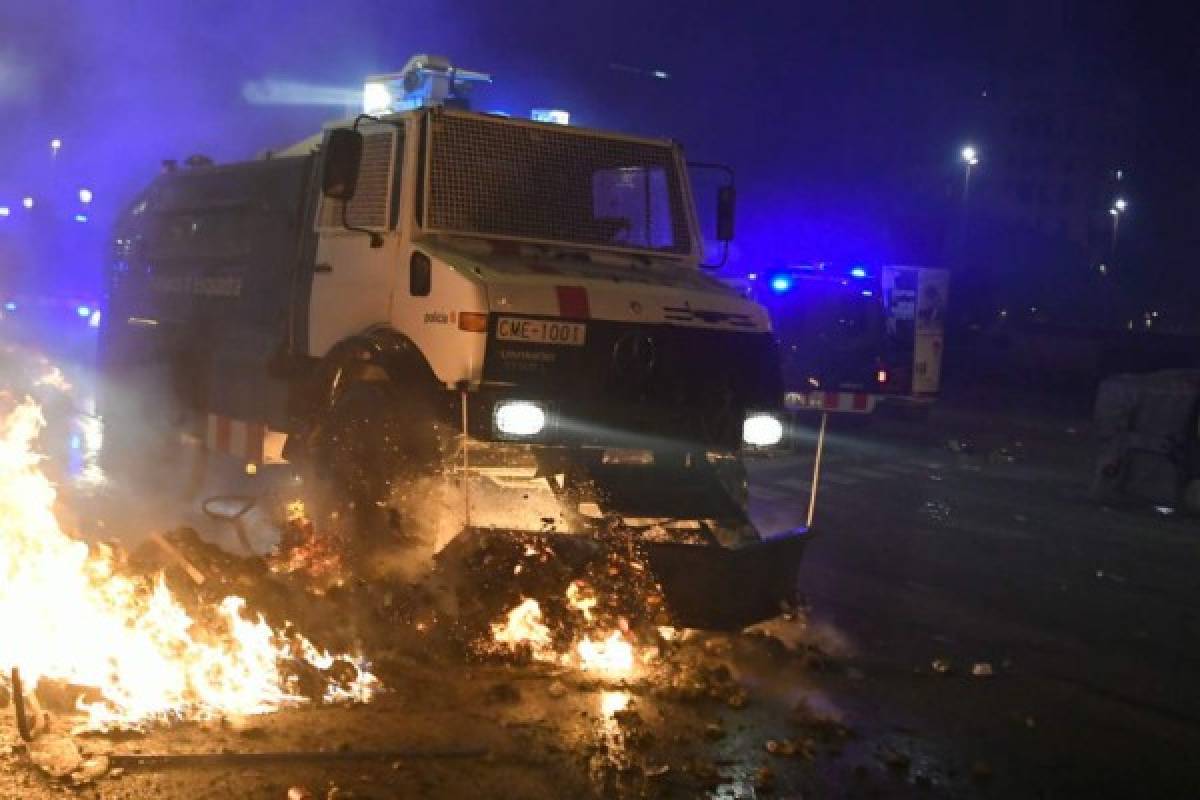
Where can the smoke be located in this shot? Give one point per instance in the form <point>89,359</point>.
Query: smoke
<point>275,92</point>
<point>15,79</point>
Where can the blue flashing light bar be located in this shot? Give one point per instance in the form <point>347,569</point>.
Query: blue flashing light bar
<point>858,272</point>
<point>867,293</point>
<point>83,311</point>
<point>555,116</point>
<point>10,306</point>
<point>781,284</point>
<point>81,218</point>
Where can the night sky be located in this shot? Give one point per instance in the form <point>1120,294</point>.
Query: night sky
<point>826,110</point>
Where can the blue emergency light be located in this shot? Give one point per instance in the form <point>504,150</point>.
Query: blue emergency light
<point>781,284</point>
<point>858,272</point>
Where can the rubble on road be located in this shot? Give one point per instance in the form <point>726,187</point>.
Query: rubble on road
<point>90,770</point>
<point>56,755</point>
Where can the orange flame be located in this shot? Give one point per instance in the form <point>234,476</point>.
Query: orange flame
<point>65,614</point>
<point>524,626</point>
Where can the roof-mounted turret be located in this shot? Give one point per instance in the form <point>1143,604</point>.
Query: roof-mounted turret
<point>425,81</point>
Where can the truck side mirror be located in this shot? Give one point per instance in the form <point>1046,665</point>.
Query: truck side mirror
<point>343,153</point>
<point>725,203</point>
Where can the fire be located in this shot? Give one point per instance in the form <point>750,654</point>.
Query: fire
<point>581,598</point>
<point>613,655</point>
<point>54,378</point>
<point>67,615</point>
<point>524,627</point>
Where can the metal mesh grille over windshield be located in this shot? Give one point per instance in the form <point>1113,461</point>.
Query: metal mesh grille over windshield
<point>506,179</point>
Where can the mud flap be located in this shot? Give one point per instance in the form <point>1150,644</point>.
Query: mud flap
<point>719,588</point>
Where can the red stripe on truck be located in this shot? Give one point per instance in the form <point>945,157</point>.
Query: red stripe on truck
<point>573,302</point>
<point>255,433</point>
<point>224,434</point>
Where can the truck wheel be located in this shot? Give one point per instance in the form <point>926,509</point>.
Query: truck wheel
<point>375,443</point>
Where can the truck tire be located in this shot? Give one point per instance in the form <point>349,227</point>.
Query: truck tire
<point>376,441</point>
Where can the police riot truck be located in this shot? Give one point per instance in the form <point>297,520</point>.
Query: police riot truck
<point>426,291</point>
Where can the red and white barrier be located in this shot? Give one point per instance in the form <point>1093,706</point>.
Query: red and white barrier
<point>252,442</point>
<point>836,402</point>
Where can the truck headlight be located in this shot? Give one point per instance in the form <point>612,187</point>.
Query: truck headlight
<point>762,430</point>
<point>519,418</point>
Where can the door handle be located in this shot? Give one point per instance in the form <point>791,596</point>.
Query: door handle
<point>323,268</point>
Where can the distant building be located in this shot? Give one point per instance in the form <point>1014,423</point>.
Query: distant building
<point>1057,150</point>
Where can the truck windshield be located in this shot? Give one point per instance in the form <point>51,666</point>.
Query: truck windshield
<point>505,179</point>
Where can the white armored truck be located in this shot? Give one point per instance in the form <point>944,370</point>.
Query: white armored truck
<point>428,289</point>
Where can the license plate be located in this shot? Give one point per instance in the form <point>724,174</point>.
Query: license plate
<point>541,331</point>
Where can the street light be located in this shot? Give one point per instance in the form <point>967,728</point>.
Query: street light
<point>85,196</point>
<point>27,202</point>
<point>1118,208</point>
<point>55,144</point>
<point>970,158</point>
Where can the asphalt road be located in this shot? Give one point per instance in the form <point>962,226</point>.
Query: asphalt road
<point>968,539</point>
<point>971,539</point>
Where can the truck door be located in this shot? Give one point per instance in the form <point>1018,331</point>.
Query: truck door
<point>353,283</point>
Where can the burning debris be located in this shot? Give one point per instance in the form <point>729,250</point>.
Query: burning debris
<point>524,633</point>
<point>70,614</point>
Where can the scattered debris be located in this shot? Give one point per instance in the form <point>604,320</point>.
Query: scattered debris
<point>981,771</point>
<point>896,760</point>
<point>90,771</point>
<point>819,725</point>
<point>705,772</point>
<point>503,693</point>
<point>56,755</point>
<point>764,778</point>
<point>784,748</point>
